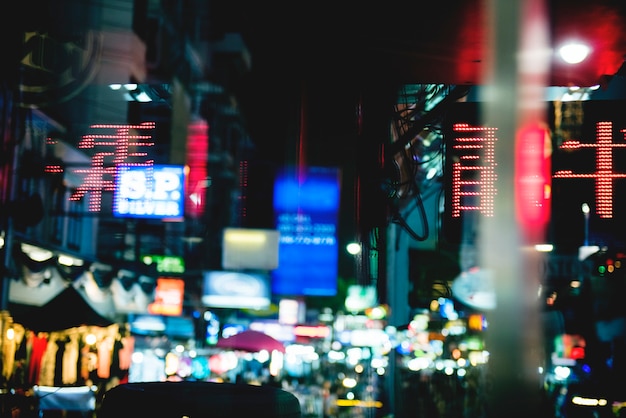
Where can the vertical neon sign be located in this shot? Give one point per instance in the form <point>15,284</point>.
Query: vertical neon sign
<point>306,207</point>
<point>473,171</point>
<point>197,157</point>
<point>533,175</point>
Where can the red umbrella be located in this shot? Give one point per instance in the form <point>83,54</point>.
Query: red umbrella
<point>250,340</point>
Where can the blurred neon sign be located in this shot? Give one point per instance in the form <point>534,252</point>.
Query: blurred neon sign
<point>168,298</point>
<point>604,175</point>
<point>306,208</point>
<point>149,192</point>
<point>474,171</point>
<point>553,174</point>
<point>112,145</point>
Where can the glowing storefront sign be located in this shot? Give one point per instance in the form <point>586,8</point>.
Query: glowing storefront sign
<point>168,299</point>
<point>165,263</point>
<point>149,192</point>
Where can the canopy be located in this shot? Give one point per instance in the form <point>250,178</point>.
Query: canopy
<point>67,310</point>
<point>252,341</point>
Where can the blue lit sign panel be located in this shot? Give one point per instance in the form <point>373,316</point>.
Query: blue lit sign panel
<point>306,205</point>
<point>154,191</point>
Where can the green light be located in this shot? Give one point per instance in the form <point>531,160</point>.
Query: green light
<point>602,269</point>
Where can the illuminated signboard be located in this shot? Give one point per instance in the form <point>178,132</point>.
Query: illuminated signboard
<point>471,185</point>
<point>149,192</point>
<point>197,157</point>
<point>169,296</point>
<point>306,205</point>
<point>165,263</point>
<point>235,289</point>
<point>109,146</point>
<point>587,164</point>
<point>591,168</point>
<point>473,172</point>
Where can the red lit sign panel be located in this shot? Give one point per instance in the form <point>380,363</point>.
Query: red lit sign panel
<point>604,175</point>
<point>533,181</point>
<point>473,171</point>
<point>109,146</point>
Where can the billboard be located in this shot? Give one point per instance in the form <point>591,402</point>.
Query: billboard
<point>169,297</point>
<point>234,289</point>
<point>244,248</point>
<point>306,206</point>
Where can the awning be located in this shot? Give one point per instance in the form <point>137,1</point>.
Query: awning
<point>67,310</point>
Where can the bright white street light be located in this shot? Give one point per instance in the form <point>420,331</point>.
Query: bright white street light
<point>585,208</point>
<point>574,53</point>
<point>353,248</point>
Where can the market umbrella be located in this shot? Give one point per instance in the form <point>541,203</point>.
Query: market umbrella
<point>250,340</point>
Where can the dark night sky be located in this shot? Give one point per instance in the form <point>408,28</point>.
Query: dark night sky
<point>304,84</point>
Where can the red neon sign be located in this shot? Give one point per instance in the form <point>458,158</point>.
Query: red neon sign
<point>113,148</point>
<point>533,172</point>
<point>474,172</point>
<point>604,174</point>
<point>197,157</point>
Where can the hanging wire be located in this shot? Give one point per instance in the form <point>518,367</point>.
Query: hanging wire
<point>419,127</point>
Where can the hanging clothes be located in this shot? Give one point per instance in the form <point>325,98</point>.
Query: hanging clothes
<point>38,344</point>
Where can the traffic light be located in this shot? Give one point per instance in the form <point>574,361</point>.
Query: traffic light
<point>609,264</point>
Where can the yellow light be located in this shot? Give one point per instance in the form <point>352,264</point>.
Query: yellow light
<point>244,237</point>
<point>583,401</point>
<point>69,261</point>
<point>356,402</point>
<point>36,253</point>
<point>90,339</point>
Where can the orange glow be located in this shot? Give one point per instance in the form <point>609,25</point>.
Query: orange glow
<point>475,322</point>
<point>312,332</point>
<point>168,299</point>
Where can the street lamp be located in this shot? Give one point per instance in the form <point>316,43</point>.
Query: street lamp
<point>586,250</point>
<point>574,52</point>
<point>585,209</point>
<point>354,248</point>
